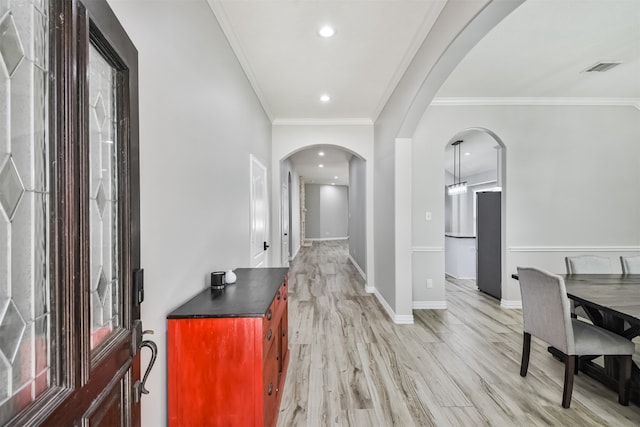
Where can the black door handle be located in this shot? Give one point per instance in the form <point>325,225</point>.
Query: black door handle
<point>265,246</point>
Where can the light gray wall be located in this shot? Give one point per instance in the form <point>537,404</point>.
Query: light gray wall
<point>199,122</point>
<point>327,215</point>
<point>313,211</point>
<point>357,211</point>
<point>457,29</point>
<point>568,175</point>
<point>294,200</point>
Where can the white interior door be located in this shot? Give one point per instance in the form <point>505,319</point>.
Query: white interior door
<point>285,224</point>
<point>259,211</point>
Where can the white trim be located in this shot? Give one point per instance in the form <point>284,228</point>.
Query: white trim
<point>435,8</point>
<point>220,14</point>
<point>403,319</point>
<point>326,239</point>
<point>398,319</point>
<point>497,101</point>
<point>510,304</point>
<point>369,289</point>
<point>355,264</point>
<point>574,249</point>
<point>325,122</point>
<point>430,305</point>
<point>427,248</point>
<point>295,254</point>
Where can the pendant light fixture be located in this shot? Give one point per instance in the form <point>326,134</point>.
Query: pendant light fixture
<point>457,187</point>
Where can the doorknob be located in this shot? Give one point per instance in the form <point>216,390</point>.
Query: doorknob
<point>265,246</point>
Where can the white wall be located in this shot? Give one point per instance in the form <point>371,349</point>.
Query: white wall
<point>355,138</point>
<point>568,175</point>
<point>199,122</point>
<point>327,215</point>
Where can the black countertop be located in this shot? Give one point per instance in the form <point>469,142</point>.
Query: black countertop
<point>250,296</point>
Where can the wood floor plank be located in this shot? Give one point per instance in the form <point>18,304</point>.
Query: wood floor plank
<point>350,365</point>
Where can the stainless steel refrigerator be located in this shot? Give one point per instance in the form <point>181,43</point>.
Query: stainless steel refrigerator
<point>489,243</point>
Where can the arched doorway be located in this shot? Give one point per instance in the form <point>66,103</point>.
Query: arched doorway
<point>474,207</point>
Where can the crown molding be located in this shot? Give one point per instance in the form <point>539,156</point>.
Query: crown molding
<point>223,19</point>
<point>506,101</point>
<point>423,31</point>
<point>574,249</point>
<point>323,122</point>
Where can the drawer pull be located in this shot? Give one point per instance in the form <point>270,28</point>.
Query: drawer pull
<point>284,333</point>
<point>269,335</point>
<point>285,297</point>
<point>270,388</point>
<point>269,314</point>
<point>278,296</point>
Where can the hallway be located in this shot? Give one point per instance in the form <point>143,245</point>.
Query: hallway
<point>350,365</point>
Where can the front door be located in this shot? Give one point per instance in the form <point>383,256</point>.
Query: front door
<point>70,335</point>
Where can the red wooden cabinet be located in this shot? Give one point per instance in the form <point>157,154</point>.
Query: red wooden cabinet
<point>228,371</point>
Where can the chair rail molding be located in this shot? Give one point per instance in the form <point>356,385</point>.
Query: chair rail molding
<point>497,101</point>
<point>574,248</point>
<point>427,248</point>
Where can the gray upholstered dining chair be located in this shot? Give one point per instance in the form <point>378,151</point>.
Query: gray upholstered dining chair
<point>586,264</point>
<point>630,264</point>
<point>546,315</point>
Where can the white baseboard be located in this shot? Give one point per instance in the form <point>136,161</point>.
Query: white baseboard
<point>403,319</point>
<point>399,319</point>
<point>429,305</point>
<point>292,257</point>
<point>355,264</point>
<point>369,289</point>
<point>510,304</point>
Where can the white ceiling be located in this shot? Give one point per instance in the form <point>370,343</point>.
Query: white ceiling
<point>335,163</point>
<point>290,65</point>
<point>539,51</point>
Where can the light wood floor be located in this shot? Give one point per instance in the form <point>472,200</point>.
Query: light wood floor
<point>350,365</point>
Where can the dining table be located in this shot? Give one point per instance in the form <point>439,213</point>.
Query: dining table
<point>612,302</point>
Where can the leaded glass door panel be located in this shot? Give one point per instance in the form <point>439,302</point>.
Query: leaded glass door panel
<point>69,216</point>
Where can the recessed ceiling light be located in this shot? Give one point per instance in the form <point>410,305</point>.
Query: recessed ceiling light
<point>325,98</point>
<point>467,154</point>
<point>320,165</point>
<point>333,183</point>
<point>335,177</point>
<point>326,31</point>
<point>321,153</point>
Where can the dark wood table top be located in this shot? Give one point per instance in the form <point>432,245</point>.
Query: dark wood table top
<point>617,294</point>
<point>250,296</point>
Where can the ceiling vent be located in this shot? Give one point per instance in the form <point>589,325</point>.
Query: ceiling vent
<point>601,67</point>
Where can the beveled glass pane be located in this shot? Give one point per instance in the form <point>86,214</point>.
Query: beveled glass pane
<point>11,188</point>
<point>105,297</point>
<point>25,335</point>
<point>10,46</point>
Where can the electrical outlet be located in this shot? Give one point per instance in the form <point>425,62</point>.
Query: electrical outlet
<point>427,216</point>
<point>429,283</point>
